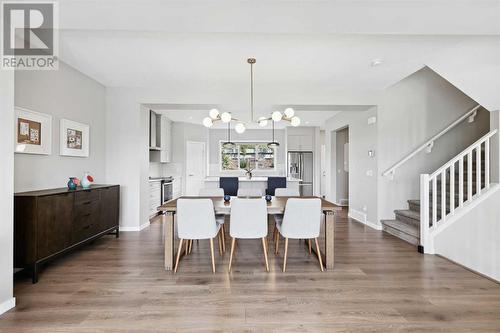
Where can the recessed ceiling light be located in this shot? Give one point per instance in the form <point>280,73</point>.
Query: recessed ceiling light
<point>190,117</point>
<point>376,62</point>
<point>307,122</point>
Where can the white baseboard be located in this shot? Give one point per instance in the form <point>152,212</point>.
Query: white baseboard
<point>139,228</point>
<point>361,218</point>
<point>7,305</point>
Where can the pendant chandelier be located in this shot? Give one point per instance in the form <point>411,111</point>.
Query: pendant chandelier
<point>226,117</point>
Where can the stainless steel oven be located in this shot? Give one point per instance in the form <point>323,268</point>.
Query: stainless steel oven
<point>167,189</point>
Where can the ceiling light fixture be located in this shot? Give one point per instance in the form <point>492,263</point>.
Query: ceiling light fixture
<point>228,143</point>
<point>287,115</point>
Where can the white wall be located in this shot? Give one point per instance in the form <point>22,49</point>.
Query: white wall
<point>257,135</point>
<point>6,189</point>
<point>411,112</point>
<point>65,93</point>
<point>474,240</point>
<point>362,187</point>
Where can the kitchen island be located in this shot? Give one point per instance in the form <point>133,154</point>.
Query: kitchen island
<point>259,182</point>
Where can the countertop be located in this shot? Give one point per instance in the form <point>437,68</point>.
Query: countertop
<point>61,190</point>
<point>253,179</point>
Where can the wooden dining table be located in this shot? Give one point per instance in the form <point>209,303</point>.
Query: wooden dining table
<point>275,206</point>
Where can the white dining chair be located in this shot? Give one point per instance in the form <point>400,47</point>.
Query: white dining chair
<point>286,192</point>
<point>301,220</point>
<point>196,220</point>
<point>250,192</point>
<point>211,192</point>
<point>248,221</point>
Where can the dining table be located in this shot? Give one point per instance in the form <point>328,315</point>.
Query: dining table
<point>275,206</point>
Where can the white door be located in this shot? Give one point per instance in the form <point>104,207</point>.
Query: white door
<point>195,167</point>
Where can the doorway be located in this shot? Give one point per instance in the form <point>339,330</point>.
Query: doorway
<point>341,178</point>
<point>195,167</point>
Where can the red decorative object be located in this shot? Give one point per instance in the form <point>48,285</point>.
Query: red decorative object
<point>90,179</point>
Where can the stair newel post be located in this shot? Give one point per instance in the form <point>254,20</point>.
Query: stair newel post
<point>424,212</point>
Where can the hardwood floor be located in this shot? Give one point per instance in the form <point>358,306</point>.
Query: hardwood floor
<point>379,284</point>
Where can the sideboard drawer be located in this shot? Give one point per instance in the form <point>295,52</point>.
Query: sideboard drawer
<point>86,220</point>
<point>83,197</point>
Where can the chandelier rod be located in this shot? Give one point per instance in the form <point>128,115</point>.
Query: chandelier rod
<point>251,61</point>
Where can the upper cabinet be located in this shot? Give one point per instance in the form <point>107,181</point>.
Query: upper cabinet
<point>154,131</point>
<point>300,142</point>
<point>166,140</point>
<point>160,138</point>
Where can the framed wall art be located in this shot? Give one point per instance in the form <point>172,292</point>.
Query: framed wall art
<point>33,132</point>
<point>74,138</point>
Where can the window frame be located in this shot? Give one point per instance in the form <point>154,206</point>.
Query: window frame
<point>246,142</point>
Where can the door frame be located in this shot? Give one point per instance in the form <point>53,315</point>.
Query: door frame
<point>205,156</point>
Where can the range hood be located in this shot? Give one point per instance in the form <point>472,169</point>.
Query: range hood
<point>154,131</point>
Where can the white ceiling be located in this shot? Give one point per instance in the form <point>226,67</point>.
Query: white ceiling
<point>299,45</point>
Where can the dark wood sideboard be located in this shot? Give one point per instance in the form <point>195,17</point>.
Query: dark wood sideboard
<point>49,223</point>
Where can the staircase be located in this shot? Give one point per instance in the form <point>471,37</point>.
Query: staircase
<point>465,177</point>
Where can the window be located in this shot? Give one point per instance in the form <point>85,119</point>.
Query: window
<point>243,155</point>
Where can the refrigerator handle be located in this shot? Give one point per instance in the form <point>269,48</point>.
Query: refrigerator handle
<point>301,167</point>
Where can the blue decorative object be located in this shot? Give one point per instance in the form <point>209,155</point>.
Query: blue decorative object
<point>268,198</point>
<point>227,198</point>
<point>72,184</point>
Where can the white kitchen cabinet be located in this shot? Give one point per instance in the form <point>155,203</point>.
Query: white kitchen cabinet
<point>300,143</point>
<point>166,139</point>
<point>154,197</point>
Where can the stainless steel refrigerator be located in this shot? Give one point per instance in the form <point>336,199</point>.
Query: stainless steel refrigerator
<point>300,165</point>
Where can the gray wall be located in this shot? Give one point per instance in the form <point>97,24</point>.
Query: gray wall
<point>342,177</point>
<point>6,188</point>
<point>362,186</point>
<point>65,93</point>
<point>412,111</point>
<point>217,135</point>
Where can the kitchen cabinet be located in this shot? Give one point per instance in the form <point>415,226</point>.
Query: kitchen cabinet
<point>49,223</point>
<point>166,139</point>
<point>300,143</point>
<point>154,197</point>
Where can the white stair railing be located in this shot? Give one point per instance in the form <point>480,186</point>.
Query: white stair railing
<point>429,144</point>
<point>439,199</point>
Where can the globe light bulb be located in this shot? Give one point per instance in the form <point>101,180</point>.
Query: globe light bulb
<point>295,121</point>
<point>262,121</point>
<point>207,122</point>
<point>289,113</point>
<point>225,117</point>
<point>214,113</point>
<point>239,128</point>
<point>276,116</point>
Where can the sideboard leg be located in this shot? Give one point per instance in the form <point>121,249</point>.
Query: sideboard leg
<point>117,232</point>
<point>34,273</point>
